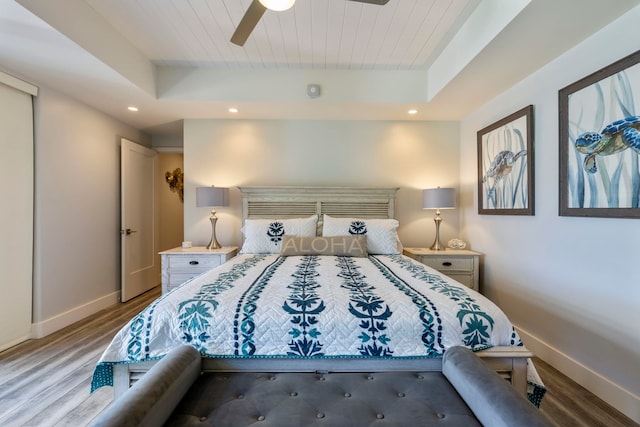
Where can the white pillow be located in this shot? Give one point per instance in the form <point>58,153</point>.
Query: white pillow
<point>264,236</point>
<point>382,236</point>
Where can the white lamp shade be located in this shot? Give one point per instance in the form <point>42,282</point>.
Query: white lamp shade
<point>439,198</point>
<point>277,5</point>
<point>212,196</point>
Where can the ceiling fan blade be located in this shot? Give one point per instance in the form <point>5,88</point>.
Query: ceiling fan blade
<point>248,23</point>
<point>380,2</point>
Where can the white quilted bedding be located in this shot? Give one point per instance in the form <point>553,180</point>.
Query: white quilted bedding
<point>266,306</point>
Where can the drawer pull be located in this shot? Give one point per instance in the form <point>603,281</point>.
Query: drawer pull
<point>194,262</point>
<point>447,263</point>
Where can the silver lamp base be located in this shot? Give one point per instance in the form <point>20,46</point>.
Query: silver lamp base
<point>213,244</point>
<point>437,245</point>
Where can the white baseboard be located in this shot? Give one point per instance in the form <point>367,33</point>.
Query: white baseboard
<point>618,397</point>
<point>53,324</point>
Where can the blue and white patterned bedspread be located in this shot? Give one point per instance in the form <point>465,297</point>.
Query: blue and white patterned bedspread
<point>265,306</point>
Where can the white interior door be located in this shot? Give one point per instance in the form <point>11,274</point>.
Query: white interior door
<point>140,271</point>
<point>16,215</point>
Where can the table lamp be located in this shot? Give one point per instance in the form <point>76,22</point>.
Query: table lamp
<point>212,197</point>
<point>438,198</point>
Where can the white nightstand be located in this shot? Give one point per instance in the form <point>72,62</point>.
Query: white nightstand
<point>181,264</point>
<point>459,264</point>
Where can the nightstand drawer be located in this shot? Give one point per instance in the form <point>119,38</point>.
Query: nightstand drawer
<point>448,263</point>
<point>176,279</point>
<point>181,264</point>
<point>193,262</point>
<point>459,264</point>
<point>465,279</point>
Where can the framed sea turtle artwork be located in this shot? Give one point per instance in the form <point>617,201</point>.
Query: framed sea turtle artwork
<point>506,166</point>
<point>600,142</point>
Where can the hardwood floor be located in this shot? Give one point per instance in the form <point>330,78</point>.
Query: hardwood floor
<point>46,382</point>
<point>569,404</point>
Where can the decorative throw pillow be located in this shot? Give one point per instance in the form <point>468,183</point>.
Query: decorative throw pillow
<point>354,246</point>
<point>264,236</point>
<point>382,236</point>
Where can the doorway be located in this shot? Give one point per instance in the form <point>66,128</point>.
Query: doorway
<point>170,204</point>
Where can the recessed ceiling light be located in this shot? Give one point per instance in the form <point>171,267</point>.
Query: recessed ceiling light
<point>413,111</point>
<point>233,110</point>
<point>132,108</point>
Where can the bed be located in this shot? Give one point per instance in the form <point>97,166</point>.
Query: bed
<point>348,301</point>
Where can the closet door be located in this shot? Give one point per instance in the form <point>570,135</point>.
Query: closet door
<point>16,214</point>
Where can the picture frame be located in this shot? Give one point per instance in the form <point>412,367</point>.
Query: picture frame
<point>599,141</point>
<point>506,165</point>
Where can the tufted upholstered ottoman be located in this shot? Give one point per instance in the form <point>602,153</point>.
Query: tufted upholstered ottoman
<point>466,393</point>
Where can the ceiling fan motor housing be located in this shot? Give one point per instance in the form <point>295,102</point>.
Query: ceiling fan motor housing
<point>277,5</point>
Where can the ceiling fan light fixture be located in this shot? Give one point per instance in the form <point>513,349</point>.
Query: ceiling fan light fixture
<point>277,5</point>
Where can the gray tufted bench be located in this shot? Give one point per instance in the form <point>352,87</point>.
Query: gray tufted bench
<point>466,393</point>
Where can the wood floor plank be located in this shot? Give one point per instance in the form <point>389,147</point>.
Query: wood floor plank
<point>88,408</point>
<point>46,382</point>
<point>569,404</point>
<point>55,408</point>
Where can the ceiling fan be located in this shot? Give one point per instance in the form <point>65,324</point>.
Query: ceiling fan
<point>257,8</point>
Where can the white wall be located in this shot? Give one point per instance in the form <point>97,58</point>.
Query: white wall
<point>77,210</point>
<point>408,155</point>
<point>572,285</point>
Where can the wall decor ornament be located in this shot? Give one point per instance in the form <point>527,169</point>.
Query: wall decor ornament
<point>600,142</point>
<point>175,180</point>
<point>505,165</point>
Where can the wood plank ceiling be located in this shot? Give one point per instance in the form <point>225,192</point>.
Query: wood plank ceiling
<point>317,34</point>
<point>173,58</point>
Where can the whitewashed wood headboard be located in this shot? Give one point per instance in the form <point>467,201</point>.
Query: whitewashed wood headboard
<point>291,202</point>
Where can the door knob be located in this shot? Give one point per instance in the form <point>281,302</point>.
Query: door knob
<point>130,231</point>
